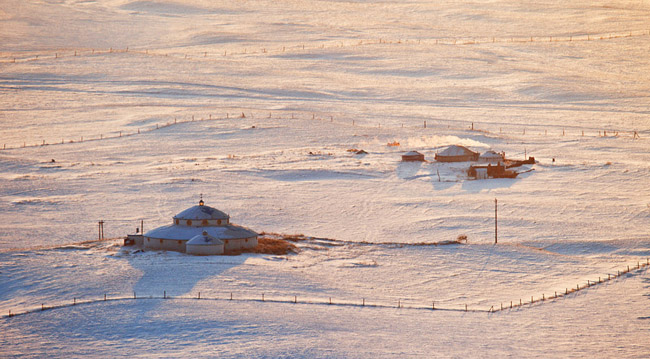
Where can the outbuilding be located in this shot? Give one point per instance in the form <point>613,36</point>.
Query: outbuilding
<point>204,244</point>
<point>491,157</point>
<point>413,156</point>
<point>456,153</point>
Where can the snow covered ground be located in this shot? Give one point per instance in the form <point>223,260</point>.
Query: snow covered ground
<point>139,104</point>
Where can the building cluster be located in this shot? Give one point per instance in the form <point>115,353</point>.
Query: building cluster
<point>489,164</point>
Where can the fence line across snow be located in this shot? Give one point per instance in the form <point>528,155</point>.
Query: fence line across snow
<point>517,129</point>
<point>278,49</point>
<point>346,303</point>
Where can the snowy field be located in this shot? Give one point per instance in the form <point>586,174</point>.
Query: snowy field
<point>124,111</point>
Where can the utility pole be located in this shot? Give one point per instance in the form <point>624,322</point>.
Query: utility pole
<point>495,221</point>
<point>101,230</point>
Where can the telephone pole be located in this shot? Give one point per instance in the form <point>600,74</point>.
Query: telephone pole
<point>495,221</point>
<point>101,230</point>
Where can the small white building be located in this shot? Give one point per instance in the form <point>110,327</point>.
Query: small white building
<point>200,222</point>
<point>481,173</point>
<point>491,157</point>
<point>204,244</point>
<point>413,156</point>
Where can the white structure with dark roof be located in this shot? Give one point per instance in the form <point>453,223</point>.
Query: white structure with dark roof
<point>200,221</point>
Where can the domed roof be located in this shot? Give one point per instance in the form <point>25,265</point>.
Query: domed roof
<point>201,211</point>
<point>204,239</point>
<point>491,154</point>
<point>184,233</point>
<point>412,153</point>
<point>456,150</point>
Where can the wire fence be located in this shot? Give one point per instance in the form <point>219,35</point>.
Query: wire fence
<point>295,299</point>
<point>279,49</point>
<point>514,129</point>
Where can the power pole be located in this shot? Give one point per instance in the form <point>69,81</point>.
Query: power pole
<point>101,230</point>
<point>495,221</point>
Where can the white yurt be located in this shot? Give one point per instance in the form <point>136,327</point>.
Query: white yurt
<point>491,157</point>
<point>194,222</point>
<point>456,153</point>
<point>204,244</point>
<point>413,156</point>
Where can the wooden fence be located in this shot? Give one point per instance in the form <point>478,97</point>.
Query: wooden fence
<point>513,129</point>
<point>279,49</point>
<point>262,298</point>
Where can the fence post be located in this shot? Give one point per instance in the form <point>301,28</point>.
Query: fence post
<point>262,297</point>
<point>230,295</point>
<point>74,301</point>
<point>134,297</point>
<point>104,297</point>
<point>433,305</point>
<point>295,299</point>
<point>42,306</point>
<point>330,300</point>
<point>199,295</point>
<point>363,303</point>
<point>465,307</point>
<point>164,294</point>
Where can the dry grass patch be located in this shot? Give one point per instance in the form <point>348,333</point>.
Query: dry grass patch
<point>273,244</point>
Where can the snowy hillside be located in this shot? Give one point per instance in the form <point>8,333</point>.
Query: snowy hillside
<point>124,111</point>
